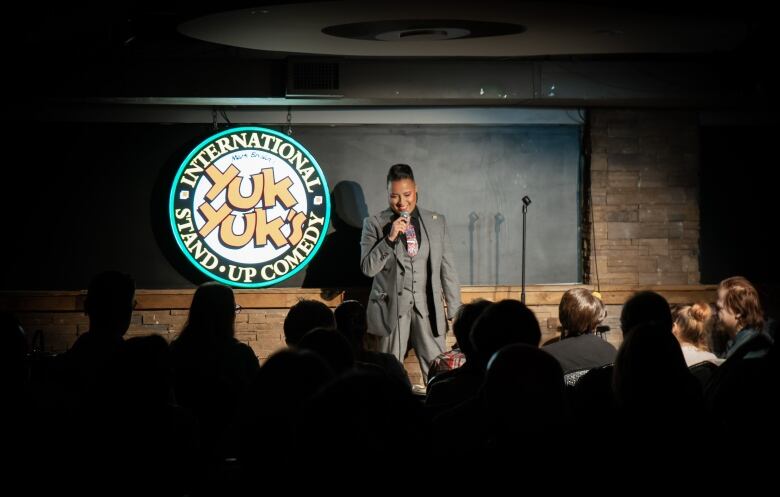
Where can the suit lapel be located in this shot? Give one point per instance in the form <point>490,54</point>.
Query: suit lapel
<point>430,226</point>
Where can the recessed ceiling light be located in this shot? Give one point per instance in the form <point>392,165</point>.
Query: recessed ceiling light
<point>422,29</point>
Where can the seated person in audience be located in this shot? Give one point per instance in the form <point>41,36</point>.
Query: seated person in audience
<point>331,346</point>
<point>461,327</point>
<point>351,322</point>
<point>645,307</point>
<point>734,395</point>
<point>740,314</point>
<point>692,328</point>
<point>212,370</point>
<point>580,312</point>
<point>519,406</point>
<point>447,361</point>
<point>523,400</point>
<point>109,306</point>
<point>593,393</point>
<point>303,317</point>
<point>653,388</point>
<point>499,324</point>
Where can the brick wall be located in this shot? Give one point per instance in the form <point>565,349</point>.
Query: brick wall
<point>644,170</point>
<point>259,324</point>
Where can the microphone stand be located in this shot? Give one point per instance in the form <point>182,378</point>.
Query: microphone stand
<point>526,203</point>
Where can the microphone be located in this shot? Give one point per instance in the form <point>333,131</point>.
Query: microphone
<point>405,215</point>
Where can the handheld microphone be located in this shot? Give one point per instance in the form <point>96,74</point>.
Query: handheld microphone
<point>405,215</point>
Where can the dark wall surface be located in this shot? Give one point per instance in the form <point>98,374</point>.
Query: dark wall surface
<point>739,196</point>
<point>89,197</point>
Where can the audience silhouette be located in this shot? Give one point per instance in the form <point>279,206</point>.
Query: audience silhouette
<point>201,417</point>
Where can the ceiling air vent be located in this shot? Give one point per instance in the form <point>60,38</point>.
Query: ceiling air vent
<point>313,78</point>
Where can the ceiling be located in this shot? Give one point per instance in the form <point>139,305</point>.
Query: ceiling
<point>276,28</point>
<point>239,48</point>
<point>427,28</point>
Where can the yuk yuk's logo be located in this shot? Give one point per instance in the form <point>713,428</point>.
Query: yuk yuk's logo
<point>249,207</point>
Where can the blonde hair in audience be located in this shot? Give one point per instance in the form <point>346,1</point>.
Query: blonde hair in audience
<point>694,324</point>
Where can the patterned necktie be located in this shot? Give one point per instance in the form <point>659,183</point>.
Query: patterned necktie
<point>411,240</point>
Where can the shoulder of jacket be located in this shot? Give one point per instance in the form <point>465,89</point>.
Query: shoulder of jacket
<point>377,218</point>
<point>432,215</point>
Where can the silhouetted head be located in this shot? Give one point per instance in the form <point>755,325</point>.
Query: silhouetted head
<point>504,323</point>
<point>580,312</point>
<point>303,317</point>
<point>357,418</point>
<point>332,346</point>
<point>109,303</point>
<point>212,313</point>
<point>144,375</point>
<point>523,389</point>
<point>650,370</point>
<point>465,317</point>
<point>645,307</point>
<point>287,379</point>
<point>351,322</point>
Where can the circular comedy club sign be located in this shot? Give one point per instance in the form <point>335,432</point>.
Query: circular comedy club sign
<point>249,207</point>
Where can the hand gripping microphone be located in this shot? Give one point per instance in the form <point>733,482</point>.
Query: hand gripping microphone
<point>405,215</point>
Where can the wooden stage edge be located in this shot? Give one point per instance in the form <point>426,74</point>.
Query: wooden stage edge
<point>282,298</point>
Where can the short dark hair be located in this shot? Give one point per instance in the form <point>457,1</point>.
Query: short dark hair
<point>465,317</point>
<point>580,312</point>
<point>398,172</point>
<point>351,321</point>
<point>645,307</point>
<point>303,317</point>
<point>503,323</point>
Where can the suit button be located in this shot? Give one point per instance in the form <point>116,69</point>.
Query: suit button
<point>411,302</point>
<point>400,293</point>
<point>399,317</point>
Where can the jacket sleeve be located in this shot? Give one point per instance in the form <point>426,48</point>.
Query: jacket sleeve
<point>449,276</point>
<point>374,251</point>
